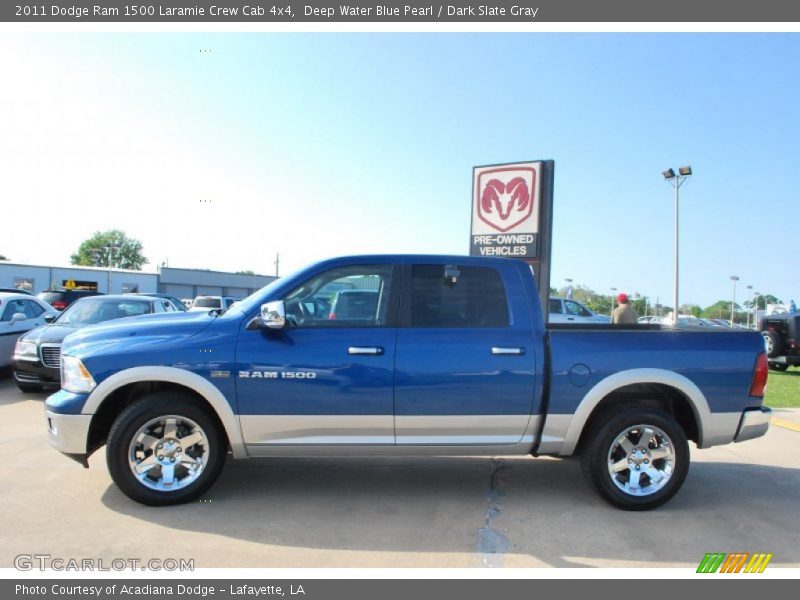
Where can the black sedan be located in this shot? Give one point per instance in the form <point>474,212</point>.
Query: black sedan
<point>37,355</point>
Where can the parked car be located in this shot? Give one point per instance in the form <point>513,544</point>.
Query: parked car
<point>13,290</point>
<point>61,299</point>
<point>207,303</point>
<point>649,319</point>
<point>37,354</point>
<point>563,310</point>
<point>455,360</point>
<point>19,313</point>
<point>176,302</point>
<point>781,333</point>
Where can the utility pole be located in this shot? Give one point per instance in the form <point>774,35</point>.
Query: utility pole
<point>277,264</point>
<point>734,279</point>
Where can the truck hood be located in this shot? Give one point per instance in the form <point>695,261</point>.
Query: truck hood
<point>167,326</point>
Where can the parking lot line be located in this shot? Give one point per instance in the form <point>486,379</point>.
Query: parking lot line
<point>785,424</point>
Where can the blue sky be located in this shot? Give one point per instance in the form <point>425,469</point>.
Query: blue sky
<point>313,145</point>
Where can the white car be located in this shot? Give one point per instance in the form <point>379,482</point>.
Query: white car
<point>19,313</point>
<point>570,311</point>
<point>207,303</point>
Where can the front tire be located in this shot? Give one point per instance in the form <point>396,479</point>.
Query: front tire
<point>637,458</point>
<point>165,449</point>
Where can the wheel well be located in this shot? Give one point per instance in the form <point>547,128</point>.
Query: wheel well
<point>653,395</point>
<point>121,398</point>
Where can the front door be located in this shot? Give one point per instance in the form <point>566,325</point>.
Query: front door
<point>465,366</point>
<point>327,377</point>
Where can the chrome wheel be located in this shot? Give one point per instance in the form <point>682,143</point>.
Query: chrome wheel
<point>641,460</point>
<point>168,453</point>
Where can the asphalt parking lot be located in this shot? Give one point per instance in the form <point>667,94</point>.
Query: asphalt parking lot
<point>448,512</point>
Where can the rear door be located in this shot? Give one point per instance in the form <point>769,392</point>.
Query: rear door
<point>465,366</point>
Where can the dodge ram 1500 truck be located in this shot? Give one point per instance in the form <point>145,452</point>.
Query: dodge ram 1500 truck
<point>401,355</point>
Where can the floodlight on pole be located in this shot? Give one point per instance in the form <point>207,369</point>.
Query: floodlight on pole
<point>676,181</point>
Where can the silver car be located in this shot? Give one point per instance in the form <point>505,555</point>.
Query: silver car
<point>19,313</point>
<point>563,310</point>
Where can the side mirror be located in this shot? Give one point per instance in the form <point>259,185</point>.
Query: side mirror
<point>50,318</point>
<point>16,317</point>
<point>273,315</point>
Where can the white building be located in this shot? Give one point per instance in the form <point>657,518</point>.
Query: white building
<point>182,283</point>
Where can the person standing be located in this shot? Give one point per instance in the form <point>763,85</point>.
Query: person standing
<point>624,314</point>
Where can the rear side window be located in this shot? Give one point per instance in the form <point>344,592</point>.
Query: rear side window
<point>457,296</point>
<point>555,306</point>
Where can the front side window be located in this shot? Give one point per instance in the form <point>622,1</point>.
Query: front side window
<point>573,308</point>
<point>12,308</point>
<point>457,296</point>
<point>352,296</point>
<point>31,309</point>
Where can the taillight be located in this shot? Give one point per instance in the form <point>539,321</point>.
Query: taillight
<point>59,305</point>
<point>759,385</point>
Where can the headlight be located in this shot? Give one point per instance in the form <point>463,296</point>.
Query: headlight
<point>74,376</point>
<point>25,348</point>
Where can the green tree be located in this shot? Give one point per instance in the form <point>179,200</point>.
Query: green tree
<point>248,272</point>
<point>760,301</point>
<point>110,249</point>
<point>691,309</point>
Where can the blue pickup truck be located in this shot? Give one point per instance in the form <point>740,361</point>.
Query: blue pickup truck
<point>401,355</point>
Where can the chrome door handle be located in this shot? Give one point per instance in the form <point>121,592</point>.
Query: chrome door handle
<point>507,351</point>
<point>365,350</point>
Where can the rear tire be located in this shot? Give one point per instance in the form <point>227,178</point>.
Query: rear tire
<point>165,449</point>
<point>629,471</point>
<point>778,366</point>
<point>772,343</point>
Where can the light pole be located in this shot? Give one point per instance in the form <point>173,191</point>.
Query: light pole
<point>676,181</point>
<point>750,290</point>
<point>613,290</point>
<point>569,288</point>
<point>734,279</point>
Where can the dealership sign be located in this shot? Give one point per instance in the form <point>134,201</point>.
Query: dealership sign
<point>512,214</point>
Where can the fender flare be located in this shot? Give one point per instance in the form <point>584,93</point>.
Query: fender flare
<point>195,382</point>
<point>603,388</point>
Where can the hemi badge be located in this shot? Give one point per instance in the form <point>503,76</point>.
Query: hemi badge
<point>220,374</point>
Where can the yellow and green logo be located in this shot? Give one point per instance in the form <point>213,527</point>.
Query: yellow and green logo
<point>736,562</point>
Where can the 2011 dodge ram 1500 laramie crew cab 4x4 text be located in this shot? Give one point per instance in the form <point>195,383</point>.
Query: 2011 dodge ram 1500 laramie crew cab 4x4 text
<point>401,355</point>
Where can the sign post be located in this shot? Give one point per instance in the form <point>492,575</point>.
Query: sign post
<point>512,216</point>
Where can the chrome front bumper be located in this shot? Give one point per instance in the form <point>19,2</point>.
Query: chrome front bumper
<point>754,423</point>
<point>68,433</point>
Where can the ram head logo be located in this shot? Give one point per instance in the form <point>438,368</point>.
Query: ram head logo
<point>504,197</point>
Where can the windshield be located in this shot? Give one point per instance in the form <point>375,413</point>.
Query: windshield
<point>206,303</point>
<point>91,311</point>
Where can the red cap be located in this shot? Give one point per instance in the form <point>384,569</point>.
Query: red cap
<point>622,298</point>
